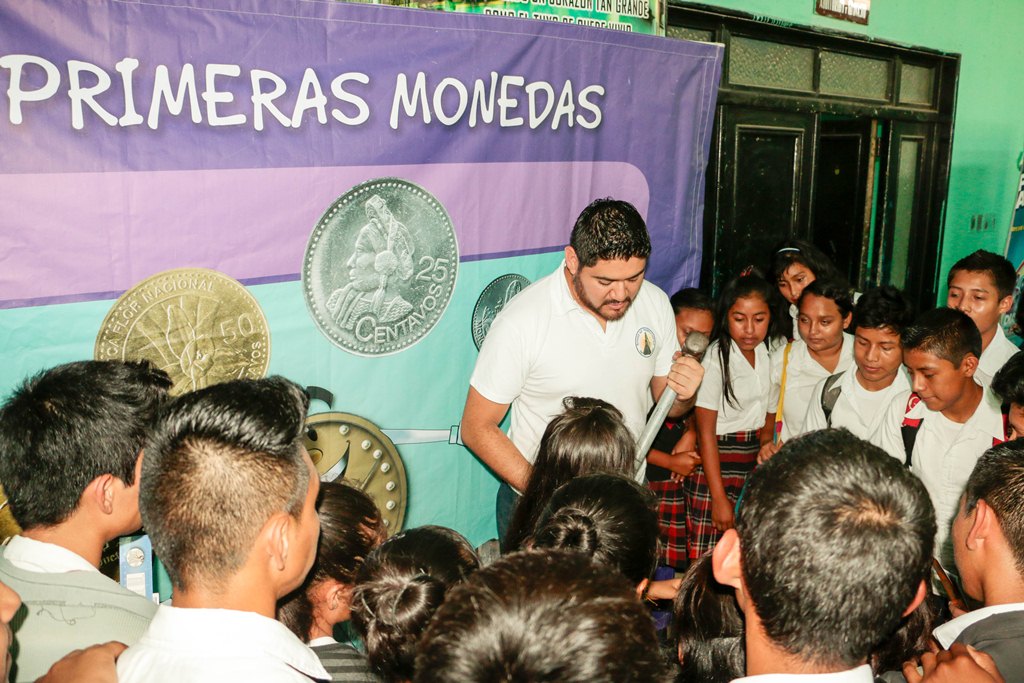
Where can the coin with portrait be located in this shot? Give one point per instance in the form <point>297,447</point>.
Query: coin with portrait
<point>380,267</point>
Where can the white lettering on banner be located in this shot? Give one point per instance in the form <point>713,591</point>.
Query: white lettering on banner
<point>512,95</point>
<point>226,95</point>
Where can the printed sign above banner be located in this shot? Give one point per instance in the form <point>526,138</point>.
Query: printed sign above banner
<point>365,171</point>
<point>641,16</point>
<point>856,11</point>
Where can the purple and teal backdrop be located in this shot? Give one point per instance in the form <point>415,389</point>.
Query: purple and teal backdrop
<point>111,171</point>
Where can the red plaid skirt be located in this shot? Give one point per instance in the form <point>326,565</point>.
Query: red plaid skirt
<point>672,521</point>
<point>737,455</point>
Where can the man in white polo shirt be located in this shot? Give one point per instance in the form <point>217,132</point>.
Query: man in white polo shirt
<point>592,328</point>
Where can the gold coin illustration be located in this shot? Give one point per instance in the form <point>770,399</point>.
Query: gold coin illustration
<point>199,325</point>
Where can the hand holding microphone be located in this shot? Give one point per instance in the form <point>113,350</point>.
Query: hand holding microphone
<point>683,381</point>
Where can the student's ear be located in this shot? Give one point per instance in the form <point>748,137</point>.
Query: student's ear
<point>981,525</point>
<point>1005,304</point>
<point>847,320</point>
<point>969,365</point>
<point>138,467</point>
<point>922,593</point>
<point>276,539</point>
<point>572,261</point>
<point>100,493</point>
<point>725,560</point>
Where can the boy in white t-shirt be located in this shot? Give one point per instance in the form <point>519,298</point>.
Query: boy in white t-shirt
<point>856,398</point>
<point>943,426</point>
<point>981,285</point>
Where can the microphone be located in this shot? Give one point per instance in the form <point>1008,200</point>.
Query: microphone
<point>694,346</point>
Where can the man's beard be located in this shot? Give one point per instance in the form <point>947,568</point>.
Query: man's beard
<point>581,296</point>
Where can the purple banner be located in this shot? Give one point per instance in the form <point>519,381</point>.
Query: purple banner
<point>138,137</point>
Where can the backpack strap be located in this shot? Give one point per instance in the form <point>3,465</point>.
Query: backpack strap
<point>909,427</point>
<point>782,394</point>
<point>830,394</point>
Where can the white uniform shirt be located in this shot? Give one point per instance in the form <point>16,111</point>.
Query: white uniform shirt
<point>999,350</point>
<point>856,408</point>
<point>802,374</point>
<point>947,633</point>
<point>185,645</point>
<point>751,387</point>
<point>49,558</point>
<point>945,453</point>
<point>862,674</point>
<point>544,346</point>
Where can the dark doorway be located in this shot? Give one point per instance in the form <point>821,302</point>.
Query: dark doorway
<point>842,191</point>
<point>828,137</point>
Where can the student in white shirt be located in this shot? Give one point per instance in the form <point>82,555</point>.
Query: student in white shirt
<point>949,418</point>
<point>228,496</point>
<point>732,403</point>
<point>825,349</point>
<point>1008,385</point>
<point>981,285</point>
<point>856,399</point>
<point>832,547</point>
<point>70,440</point>
<point>796,264</point>
<point>988,544</point>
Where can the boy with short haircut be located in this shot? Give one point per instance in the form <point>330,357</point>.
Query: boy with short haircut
<point>981,285</point>
<point>857,400</point>
<point>1008,385</point>
<point>831,549</point>
<point>988,543</point>
<point>70,439</point>
<point>948,420</point>
<point>228,496</point>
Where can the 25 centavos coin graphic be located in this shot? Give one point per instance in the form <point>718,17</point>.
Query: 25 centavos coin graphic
<point>494,298</point>
<point>199,325</point>
<point>380,267</point>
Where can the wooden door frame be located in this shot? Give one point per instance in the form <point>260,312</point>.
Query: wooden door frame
<point>694,20</point>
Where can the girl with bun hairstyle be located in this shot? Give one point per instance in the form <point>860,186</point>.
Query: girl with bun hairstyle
<point>398,589</point>
<point>614,521</point>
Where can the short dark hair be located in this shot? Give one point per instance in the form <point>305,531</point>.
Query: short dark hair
<point>588,436</point>
<point>998,267</point>
<point>399,587</point>
<point>542,615</point>
<point>611,518</point>
<point>68,425</point>
<point>222,460</point>
<point>693,299</point>
<point>609,229</point>
<point>1008,382</point>
<point>835,290</point>
<point>944,332</point>
<point>350,528</point>
<point>883,307</point>
<point>836,537</point>
<point>998,479</point>
<point>708,627</point>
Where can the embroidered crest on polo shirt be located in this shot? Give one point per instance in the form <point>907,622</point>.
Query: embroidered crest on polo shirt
<point>644,341</point>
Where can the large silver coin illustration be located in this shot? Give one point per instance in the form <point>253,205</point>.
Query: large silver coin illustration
<point>380,267</point>
<point>495,297</point>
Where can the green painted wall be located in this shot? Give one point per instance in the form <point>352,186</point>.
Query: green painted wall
<point>988,134</point>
